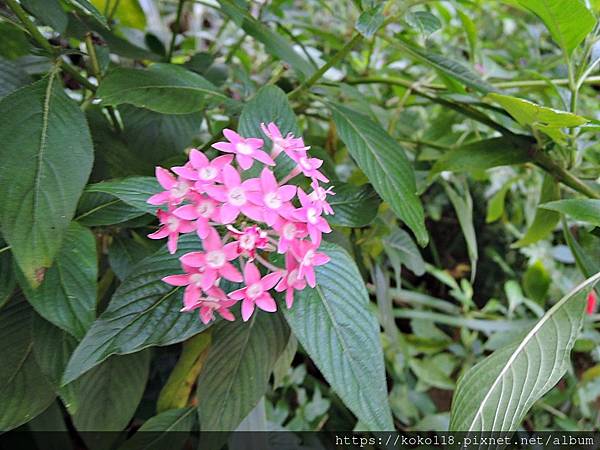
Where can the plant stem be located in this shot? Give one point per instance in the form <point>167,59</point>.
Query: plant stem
<point>94,65</point>
<point>563,175</point>
<point>4,249</point>
<point>176,30</point>
<point>325,67</point>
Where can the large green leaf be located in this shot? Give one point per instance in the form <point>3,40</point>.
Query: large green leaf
<point>106,397</point>
<point>48,12</point>
<point>236,372</point>
<point>496,394</point>
<point>143,312</point>
<point>24,390</point>
<point>569,21</point>
<point>133,191</point>
<point>8,280</point>
<point>584,210</point>
<point>166,430</point>
<point>544,220</point>
<point>67,296</point>
<point>164,88</point>
<point>45,159</point>
<point>11,77</point>
<point>97,209</point>
<point>384,162</point>
<point>402,251</point>
<point>481,155</point>
<point>336,327</point>
<point>354,206</point>
<point>275,44</point>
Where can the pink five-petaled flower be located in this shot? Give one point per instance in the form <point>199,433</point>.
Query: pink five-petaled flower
<point>319,197</point>
<point>192,280</point>
<point>215,300</point>
<point>289,231</point>
<point>291,280</point>
<point>256,291</point>
<point>202,210</point>
<point>176,190</point>
<point>246,149</point>
<point>234,195</point>
<point>201,169</point>
<point>274,199</point>
<point>289,144</point>
<point>214,261</point>
<point>310,213</point>
<point>249,240</point>
<point>171,227</point>
<point>591,303</point>
<point>308,257</point>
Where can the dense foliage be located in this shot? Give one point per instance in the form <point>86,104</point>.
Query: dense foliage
<point>454,291</point>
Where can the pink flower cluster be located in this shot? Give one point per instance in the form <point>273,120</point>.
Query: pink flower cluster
<point>241,218</point>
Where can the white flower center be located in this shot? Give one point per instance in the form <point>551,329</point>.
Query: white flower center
<point>215,259</point>
<point>180,189</point>
<point>312,215</point>
<point>305,163</point>
<point>254,290</point>
<point>236,196</point>
<point>308,258</point>
<point>292,277</point>
<point>289,231</point>
<point>248,241</point>
<point>243,148</point>
<point>207,173</point>
<point>173,223</point>
<point>272,200</point>
<point>205,209</point>
<point>196,279</point>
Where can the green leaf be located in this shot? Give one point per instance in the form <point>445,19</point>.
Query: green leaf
<point>153,137</point>
<point>88,8</point>
<point>463,205</point>
<point>41,186</point>
<point>284,362</point>
<point>536,282</point>
<point>446,66</point>
<point>48,12</point>
<point>544,220</point>
<point>12,77</point>
<point>370,20</point>
<point>336,327</point>
<point>164,88</point>
<point>569,21</point>
<point>8,280</point>
<point>236,373</point>
<point>495,208</point>
<point>496,394</point>
<point>129,14</point>
<point>168,429</point>
<point>124,253</point>
<point>106,397</point>
<point>275,44</point>
<point>424,21</point>
<point>384,162</point>
<point>354,206</point>
<point>481,155</point>
<point>143,312</point>
<point>24,390</point>
<point>547,120</point>
<point>402,251</point>
<point>133,191</point>
<point>67,296</point>
<point>584,210</point>
<point>96,209</point>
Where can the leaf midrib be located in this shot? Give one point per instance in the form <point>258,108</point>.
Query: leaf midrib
<point>549,315</point>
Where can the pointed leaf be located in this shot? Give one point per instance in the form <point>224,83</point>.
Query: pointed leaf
<point>496,394</point>
<point>143,312</point>
<point>354,206</point>
<point>41,187</point>
<point>165,430</point>
<point>384,162</point>
<point>336,327</point>
<point>584,210</point>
